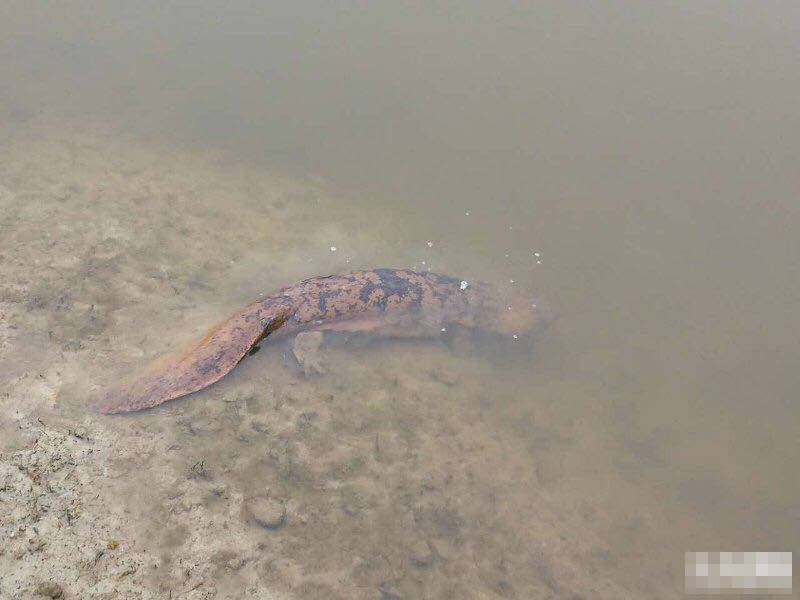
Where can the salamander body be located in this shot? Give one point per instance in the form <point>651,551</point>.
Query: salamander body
<point>387,302</point>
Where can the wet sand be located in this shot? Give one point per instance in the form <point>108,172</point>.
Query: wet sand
<point>386,478</point>
<point>409,470</point>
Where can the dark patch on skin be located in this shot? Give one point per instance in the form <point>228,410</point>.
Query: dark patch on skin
<point>366,291</point>
<point>391,284</point>
<point>207,367</point>
<point>323,300</point>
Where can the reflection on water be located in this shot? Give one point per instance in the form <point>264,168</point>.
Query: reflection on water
<point>630,164</point>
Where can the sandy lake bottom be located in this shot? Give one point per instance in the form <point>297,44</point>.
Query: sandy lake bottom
<point>407,471</point>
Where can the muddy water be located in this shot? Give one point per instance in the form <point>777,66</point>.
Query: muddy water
<point>633,165</point>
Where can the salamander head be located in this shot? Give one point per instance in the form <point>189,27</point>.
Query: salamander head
<point>506,314</point>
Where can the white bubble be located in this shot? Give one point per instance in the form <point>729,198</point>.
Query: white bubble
<point>430,244</point>
<point>444,328</point>
<point>464,285</point>
<point>467,213</point>
<point>510,281</point>
<point>515,336</point>
<point>333,248</point>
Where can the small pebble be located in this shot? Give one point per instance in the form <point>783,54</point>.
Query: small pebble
<point>49,589</point>
<point>267,512</point>
<point>80,433</point>
<point>443,548</point>
<point>421,555</point>
<point>445,376</point>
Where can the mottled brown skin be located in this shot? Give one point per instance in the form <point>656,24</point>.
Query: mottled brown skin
<point>387,302</point>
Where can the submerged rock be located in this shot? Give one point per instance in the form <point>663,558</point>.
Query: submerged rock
<point>267,512</point>
<point>420,554</point>
<point>49,589</point>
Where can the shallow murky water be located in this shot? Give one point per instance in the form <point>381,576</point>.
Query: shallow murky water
<point>634,165</point>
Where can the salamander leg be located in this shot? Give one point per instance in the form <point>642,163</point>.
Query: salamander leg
<point>305,347</point>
